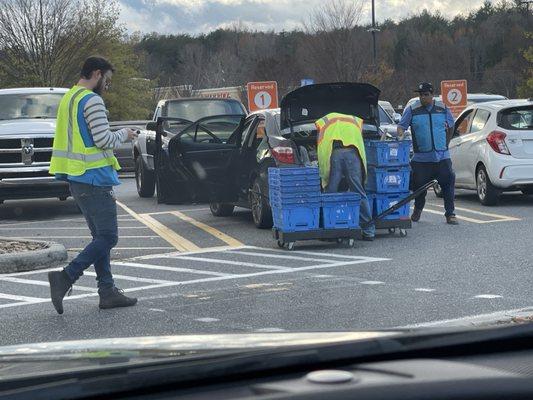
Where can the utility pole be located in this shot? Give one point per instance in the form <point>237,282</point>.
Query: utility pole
<point>374,30</point>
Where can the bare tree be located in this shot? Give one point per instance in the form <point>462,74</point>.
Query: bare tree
<point>44,41</point>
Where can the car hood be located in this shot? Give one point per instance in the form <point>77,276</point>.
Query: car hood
<point>140,345</point>
<point>312,102</point>
<point>27,126</point>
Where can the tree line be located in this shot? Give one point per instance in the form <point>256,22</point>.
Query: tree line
<point>43,43</point>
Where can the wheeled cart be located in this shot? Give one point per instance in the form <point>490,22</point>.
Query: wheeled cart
<point>288,239</point>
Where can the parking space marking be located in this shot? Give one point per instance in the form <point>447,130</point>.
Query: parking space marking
<point>73,228</point>
<point>169,212</point>
<point>177,241</point>
<point>462,218</point>
<point>287,257</point>
<point>176,253</point>
<point>230,262</point>
<point>172,269</point>
<point>209,229</point>
<point>498,217</point>
<point>127,248</point>
<point>42,283</point>
<point>84,237</point>
<point>24,299</point>
<point>131,278</point>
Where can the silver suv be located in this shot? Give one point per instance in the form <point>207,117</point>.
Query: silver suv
<point>27,127</point>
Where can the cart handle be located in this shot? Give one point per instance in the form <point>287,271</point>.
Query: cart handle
<point>400,204</point>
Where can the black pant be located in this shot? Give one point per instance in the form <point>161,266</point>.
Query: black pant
<point>442,171</point>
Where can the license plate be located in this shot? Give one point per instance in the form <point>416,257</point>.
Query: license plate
<point>394,152</point>
<point>393,180</point>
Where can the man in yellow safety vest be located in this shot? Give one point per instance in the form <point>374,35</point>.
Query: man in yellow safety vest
<point>83,156</point>
<point>341,153</point>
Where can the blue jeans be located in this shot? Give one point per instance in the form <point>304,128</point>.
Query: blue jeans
<point>97,204</point>
<point>345,162</point>
<point>442,171</point>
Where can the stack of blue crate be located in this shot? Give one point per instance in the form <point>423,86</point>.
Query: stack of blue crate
<point>340,210</point>
<point>388,176</point>
<point>295,198</point>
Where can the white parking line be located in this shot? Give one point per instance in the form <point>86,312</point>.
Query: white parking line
<point>25,299</point>
<point>178,253</point>
<point>504,217</point>
<point>70,228</point>
<point>41,283</point>
<point>127,248</point>
<point>230,262</point>
<point>132,278</point>
<point>81,237</point>
<point>287,257</point>
<point>173,269</point>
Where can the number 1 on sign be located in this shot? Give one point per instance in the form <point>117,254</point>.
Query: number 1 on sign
<point>262,100</point>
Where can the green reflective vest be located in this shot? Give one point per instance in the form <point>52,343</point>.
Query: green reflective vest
<point>345,128</point>
<point>69,154</point>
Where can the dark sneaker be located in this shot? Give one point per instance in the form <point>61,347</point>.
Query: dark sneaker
<point>415,217</point>
<point>60,284</point>
<point>452,220</point>
<point>114,297</point>
<point>367,238</point>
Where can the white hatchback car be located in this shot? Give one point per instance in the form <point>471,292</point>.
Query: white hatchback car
<point>492,149</point>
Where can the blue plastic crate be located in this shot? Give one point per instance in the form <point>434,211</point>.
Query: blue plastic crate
<point>340,210</point>
<point>384,201</point>
<point>294,198</point>
<point>388,180</point>
<point>295,189</point>
<point>387,153</point>
<point>292,218</point>
<point>288,183</point>
<point>298,171</point>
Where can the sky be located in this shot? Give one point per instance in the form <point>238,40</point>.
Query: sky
<point>203,16</point>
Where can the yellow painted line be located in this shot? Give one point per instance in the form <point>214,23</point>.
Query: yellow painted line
<point>209,229</point>
<point>177,241</point>
<point>502,217</point>
<point>475,221</point>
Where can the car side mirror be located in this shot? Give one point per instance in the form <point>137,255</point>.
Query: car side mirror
<point>151,126</point>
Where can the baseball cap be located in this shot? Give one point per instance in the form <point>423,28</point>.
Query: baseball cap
<point>424,87</point>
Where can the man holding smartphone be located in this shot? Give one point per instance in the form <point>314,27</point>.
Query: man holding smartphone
<point>83,155</point>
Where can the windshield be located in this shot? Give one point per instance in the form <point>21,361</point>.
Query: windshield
<point>27,106</point>
<point>212,181</point>
<point>194,110</point>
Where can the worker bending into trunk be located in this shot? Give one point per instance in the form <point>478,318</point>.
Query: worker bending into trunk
<point>341,154</point>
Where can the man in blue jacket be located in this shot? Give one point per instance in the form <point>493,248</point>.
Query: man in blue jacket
<point>432,126</point>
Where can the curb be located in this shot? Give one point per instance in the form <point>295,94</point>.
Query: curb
<point>32,260</point>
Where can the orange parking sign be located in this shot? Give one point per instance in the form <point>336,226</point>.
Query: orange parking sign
<point>262,95</point>
<point>454,95</point>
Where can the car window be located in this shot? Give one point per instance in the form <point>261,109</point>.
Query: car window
<point>27,106</point>
<point>194,110</point>
<point>516,119</point>
<point>462,124</point>
<point>246,131</point>
<point>212,130</point>
<point>384,118</point>
<point>480,120</point>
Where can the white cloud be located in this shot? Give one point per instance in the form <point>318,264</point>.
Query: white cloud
<point>202,16</point>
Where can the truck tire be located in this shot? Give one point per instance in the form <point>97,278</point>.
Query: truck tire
<point>144,179</point>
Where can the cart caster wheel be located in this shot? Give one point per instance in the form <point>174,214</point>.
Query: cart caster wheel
<point>392,231</point>
<point>403,233</point>
<point>281,244</point>
<point>290,246</point>
<point>351,242</point>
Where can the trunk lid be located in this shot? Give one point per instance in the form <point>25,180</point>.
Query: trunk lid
<point>309,103</point>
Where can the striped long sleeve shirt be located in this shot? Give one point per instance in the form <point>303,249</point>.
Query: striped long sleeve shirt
<point>96,117</point>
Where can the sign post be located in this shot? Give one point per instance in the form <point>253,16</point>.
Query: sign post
<point>454,95</point>
<point>262,95</point>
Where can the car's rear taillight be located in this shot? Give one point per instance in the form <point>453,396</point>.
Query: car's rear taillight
<point>496,140</point>
<point>283,154</point>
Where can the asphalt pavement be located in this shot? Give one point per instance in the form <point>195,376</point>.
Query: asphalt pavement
<point>196,273</point>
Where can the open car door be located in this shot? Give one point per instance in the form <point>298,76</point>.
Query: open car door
<point>197,165</point>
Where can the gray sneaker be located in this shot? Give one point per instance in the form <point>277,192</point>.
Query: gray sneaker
<point>114,297</point>
<point>60,284</point>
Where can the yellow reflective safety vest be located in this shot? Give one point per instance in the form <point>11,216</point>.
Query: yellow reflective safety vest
<point>345,128</point>
<point>69,154</point>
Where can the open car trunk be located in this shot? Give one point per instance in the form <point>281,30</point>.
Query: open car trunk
<point>302,107</point>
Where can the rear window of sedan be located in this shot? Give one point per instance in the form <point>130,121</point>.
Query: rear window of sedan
<point>516,118</point>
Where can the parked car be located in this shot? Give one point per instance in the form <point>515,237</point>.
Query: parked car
<point>224,160</point>
<point>27,128</point>
<point>471,98</point>
<point>182,113</point>
<point>387,106</point>
<point>124,153</point>
<point>492,149</point>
